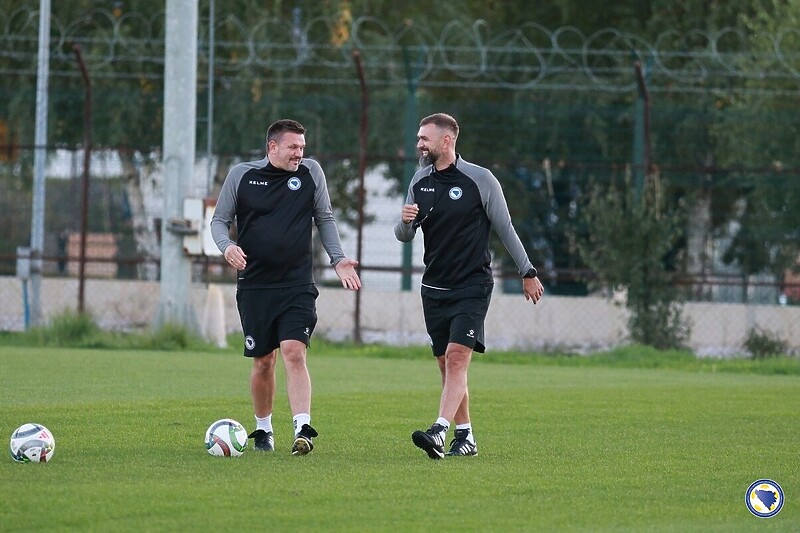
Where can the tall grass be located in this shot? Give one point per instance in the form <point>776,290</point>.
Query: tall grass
<point>80,330</point>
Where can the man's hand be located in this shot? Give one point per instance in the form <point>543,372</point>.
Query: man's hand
<point>410,212</point>
<point>346,270</point>
<point>533,289</point>
<point>235,257</point>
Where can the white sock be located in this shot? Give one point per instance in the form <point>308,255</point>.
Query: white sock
<point>299,420</point>
<point>264,423</point>
<point>468,427</point>
<point>444,423</point>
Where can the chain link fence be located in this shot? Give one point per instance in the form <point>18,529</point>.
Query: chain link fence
<point>552,112</point>
<point>122,287</point>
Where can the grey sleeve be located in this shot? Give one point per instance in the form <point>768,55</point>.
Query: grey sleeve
<point>402,231</point>
<point>225,210</point>
<point>323,214</point>
<point>494,202</point>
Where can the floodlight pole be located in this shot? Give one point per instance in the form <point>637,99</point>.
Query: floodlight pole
<point>180,105</point>
<point>39,161</point>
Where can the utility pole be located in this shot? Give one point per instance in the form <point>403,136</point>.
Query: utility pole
<point>210,101</point>
<point>180,105</point>
<point>410,128</point>
<point>39,163</point>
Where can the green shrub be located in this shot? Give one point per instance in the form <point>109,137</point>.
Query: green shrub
<point>170,337</point>
<point>630,240</point>
<point>761,343</point>
<point>74,330</point>
<point>68,328</point>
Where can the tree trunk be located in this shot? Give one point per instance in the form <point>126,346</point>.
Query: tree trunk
<point>699,244</point>
<point>144,230</point>
<point>698,241</point>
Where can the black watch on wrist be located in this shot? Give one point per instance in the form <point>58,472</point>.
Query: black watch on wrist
<point>532,273</point>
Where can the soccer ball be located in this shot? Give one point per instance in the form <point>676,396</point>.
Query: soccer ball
<point>226,438</point>
<point>32,443</point>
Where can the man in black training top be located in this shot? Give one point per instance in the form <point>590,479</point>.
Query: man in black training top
<point>274,201</point>
<point>456,203</point>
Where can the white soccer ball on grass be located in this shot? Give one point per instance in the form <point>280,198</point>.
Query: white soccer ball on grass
<point>32,443</point>
<point>226,438</point>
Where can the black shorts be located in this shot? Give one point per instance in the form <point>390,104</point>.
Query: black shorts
<point>456,315</point>
<point>270,316</point>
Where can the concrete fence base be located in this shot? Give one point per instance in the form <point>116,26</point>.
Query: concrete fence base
<point>581,324</point>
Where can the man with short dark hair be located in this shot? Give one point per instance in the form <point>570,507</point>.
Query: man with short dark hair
<point>274,201</point>
<point>456,203</point>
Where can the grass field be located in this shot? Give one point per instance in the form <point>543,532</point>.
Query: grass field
<point>562,447</point>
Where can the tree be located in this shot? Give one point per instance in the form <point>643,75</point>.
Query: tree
<point>630,240</point>
<point>760,135</point>
<point>684,124</point>
<point>545,142</point>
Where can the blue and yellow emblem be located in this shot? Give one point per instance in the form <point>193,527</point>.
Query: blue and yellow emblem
<point>764,498</point>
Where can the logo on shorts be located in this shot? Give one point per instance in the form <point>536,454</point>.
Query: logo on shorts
<point>249,342</point>
<point>471,334</point>
<point>307,331</point>
<point>764,498</point>
<point>455,193</point>
<point>294,183</point>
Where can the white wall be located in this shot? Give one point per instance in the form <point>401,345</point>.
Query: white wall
<point>576,323</point>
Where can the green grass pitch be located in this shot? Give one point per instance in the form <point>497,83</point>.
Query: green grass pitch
<point>562,448</point>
